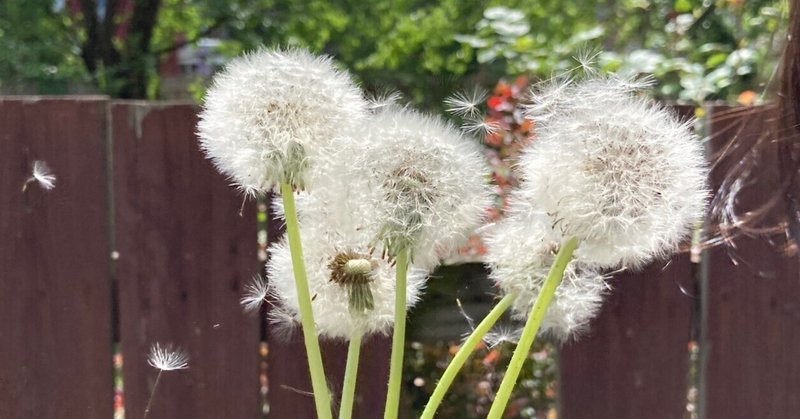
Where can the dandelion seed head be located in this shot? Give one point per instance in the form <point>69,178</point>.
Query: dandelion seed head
<point>255,293</point>
<point>269,115</point>
<point>620,173</point>
<point>338,262</point>
<point>520,252</point>
<point>167,358</point>
<point>420,183</point>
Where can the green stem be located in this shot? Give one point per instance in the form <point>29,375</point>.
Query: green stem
<point>531,327</point>
<point>463,354</point>
<point>319,384</point>
<point>350,376</point>
<point>398,339</point>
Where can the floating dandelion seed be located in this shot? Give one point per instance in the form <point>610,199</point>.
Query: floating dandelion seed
<point>41,175</point>
<point>164,358</point>
<point>269,115</point>
<point>479,127</point>
<point>167,358</point>
<point>255,293</point>
<point>503,334</point>
<point>464,104</point>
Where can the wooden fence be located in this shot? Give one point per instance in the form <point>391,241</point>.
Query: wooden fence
<point>142,241</point>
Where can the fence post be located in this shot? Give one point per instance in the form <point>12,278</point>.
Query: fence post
<point>752,310</point>
<point>55,356</point>
<point>185,254</point>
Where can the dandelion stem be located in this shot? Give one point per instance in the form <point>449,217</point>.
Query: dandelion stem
<point>398,339</point>
<point>531,327</point>
<point>463,354</point>
<point>152,394</point>
<point>350,376</point>
<point>319,384</point>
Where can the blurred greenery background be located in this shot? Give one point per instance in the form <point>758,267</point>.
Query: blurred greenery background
<point>166,49</point>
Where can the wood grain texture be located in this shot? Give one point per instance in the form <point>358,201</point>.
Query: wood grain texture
<point>289,380</point>
<point>55,333</point>
<point>634,361</point>
<point>185,254</point>
<point>752,330</point>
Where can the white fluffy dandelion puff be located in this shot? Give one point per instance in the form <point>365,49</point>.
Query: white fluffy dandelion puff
<point>255,293</point>
<point>42,175</point>
<point>269,115</point>
<point>520,253</point>
<point>620,173</point>
<point>353,288</point>
<point>425,184</point>
<point>167,358</point>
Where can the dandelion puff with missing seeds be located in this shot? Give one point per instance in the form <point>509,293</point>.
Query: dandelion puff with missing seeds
<point>616,171</point>
<point>269,114</point>
<point>520,252</point>
<point>41,175</point>
<point>423,184</point>
<point>255,293</point>
<point>167,358</point>
<point>326,253</point>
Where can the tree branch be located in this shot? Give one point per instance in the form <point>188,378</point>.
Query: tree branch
<point>202,34</point>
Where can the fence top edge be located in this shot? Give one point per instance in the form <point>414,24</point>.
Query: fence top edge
<point>54,98</point>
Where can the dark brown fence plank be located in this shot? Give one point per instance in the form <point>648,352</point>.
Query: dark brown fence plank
<point>752,338</point>
<point>55,355</point>
<point>184,256</point>
<point>634,362</point>
<point>289,380</point>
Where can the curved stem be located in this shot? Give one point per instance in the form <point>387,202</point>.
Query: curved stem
<point>319,384</point>
<point>531,327</point>
<point>463,354</point>
<point>350,376</point>
<point>398,338</point>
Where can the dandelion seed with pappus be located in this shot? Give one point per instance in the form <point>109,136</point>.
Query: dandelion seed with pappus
<point>42,175</point>
<point>255,294</point>
<point>164,358</point>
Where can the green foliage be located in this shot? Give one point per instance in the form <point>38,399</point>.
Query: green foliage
<point>472,393</point>
<point>37,49</point>
<point>696,49</point>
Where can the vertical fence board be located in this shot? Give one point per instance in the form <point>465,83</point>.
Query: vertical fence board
<point>752,330</point>
<point>55,356</point>
<point>634,362</point>
<point>185,254</point>
<point>289,380</point>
